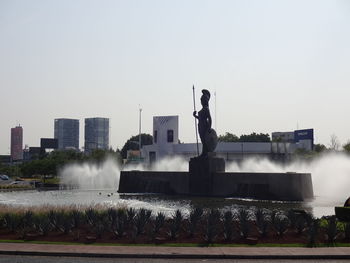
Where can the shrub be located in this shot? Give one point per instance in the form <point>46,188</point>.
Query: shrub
<point>262,223</point>
<point>244,222</point>
<point>141,219</point>
<point>331,230</point>
<point>228,228</point>
<point>194,218</point>
<point>313,232</point>
<point>175,224</point>
<point>213,219</point>
<point>158,223</point>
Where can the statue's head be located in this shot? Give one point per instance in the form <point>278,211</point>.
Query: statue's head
<point>205,97</point>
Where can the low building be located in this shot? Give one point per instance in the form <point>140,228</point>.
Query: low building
<point>166,144</point>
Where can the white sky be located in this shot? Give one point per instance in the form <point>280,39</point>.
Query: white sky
<point>274,65</point>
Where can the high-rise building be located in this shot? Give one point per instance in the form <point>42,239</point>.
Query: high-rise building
<point>17,143</point>
<point>96,134</point>
<point>67,133</point>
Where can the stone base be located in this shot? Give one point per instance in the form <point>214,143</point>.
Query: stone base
<point>202,170</point>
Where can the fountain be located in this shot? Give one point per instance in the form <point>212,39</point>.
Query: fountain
<point>207,177</point>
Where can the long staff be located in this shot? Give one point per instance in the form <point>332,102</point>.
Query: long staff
<point>195,119</point>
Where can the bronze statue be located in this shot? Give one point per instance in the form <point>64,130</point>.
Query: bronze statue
<point>206,133</point>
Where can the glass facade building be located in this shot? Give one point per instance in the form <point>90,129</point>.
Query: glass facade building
<point>67,133</point>
<point>96,134</point>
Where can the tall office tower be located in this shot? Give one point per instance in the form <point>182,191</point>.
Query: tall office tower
<point>67,133</point>
<point>96,134</point>
<point>17,143</point>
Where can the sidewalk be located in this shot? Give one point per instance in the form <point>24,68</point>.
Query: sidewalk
<point>175,252</point>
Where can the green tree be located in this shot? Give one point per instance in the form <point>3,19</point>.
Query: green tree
<point>132,143</point>
<point>346,147</point>
<point>319,148</point>
<point>255,137</point>
<point>228,137</point>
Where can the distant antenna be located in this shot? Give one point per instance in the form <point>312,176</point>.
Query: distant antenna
<point>140,109</point>
<point>297,125</point>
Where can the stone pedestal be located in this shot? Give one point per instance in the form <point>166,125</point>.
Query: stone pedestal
<point>202,170</point>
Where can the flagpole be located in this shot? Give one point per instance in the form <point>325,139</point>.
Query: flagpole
<point>195,119</point>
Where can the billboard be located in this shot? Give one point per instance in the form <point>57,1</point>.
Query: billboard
<point>48,143</point>
<point>307,134</point>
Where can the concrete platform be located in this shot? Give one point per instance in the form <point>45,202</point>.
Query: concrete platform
<point>174,252</point>
<point>269,186</point>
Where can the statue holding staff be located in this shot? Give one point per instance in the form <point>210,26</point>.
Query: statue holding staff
<point>206,133</point>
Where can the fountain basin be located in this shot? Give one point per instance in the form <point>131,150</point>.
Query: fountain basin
<point>268,186</point>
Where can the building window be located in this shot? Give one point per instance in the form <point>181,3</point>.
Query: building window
<point>155,136</point>
<point>170,136</point>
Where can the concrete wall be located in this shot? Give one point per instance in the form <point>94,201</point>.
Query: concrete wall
<point>273,186</point>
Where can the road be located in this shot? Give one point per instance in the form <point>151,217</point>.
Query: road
<point>45,259</point>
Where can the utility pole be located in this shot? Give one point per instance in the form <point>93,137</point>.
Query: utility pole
<point>140,130</point>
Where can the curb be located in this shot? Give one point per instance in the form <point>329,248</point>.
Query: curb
<point>170,256</point>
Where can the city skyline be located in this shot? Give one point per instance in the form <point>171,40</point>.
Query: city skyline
<point>274,65</point>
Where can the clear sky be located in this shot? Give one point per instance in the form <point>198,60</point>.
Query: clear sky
<point>275,65</point>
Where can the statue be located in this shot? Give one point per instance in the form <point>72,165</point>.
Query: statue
<point>206,133</point>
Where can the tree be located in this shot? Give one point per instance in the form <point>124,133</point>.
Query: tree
<point>334,144</point>
<point>346,147</point>
<point>133,143</point>
<point>319,148</point>
<point>255,137</point>
<point>228,137</point>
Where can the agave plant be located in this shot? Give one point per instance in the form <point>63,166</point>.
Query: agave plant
<point>331,230</point>
<point>313,232</point>
<point>244,222</point>
<point>194,218</point>
<point>12,221</point>
<point>212,222</point>
<point>121,221</point>
<point>131,213</point>
<point>158,224</point>
<point>300,224</point>
<point>77,218</point>
<point>92,216</point>
<point>175,224</point>
<point>281,224</point>
<point>262,223</point>
<point>42,223</point>
<point>141,219</point>
<point>64,221</point>
<point>346,229</point>
<point>228,228</point>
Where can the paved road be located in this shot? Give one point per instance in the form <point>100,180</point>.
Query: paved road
<point>44,259</point>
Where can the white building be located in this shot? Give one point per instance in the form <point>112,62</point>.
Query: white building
<point>166,144</point>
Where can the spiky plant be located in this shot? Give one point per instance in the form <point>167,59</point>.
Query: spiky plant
<point>228,228</point>
<point>262,222</point>
<point>77,218</point>
<point>331,230</point>
<point>92,216</point>
<point>131,213</point>
<point>158,223</point>
<point>175,224</point>
<point>346,229</point>
<point>141,219</point>
<point>194,218</point>
<point>281,224</point>
<point>244,224</point>
<point>42,223</point>
<point>121,221</point>
<point>313,232</point>
<point>212,223</point>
